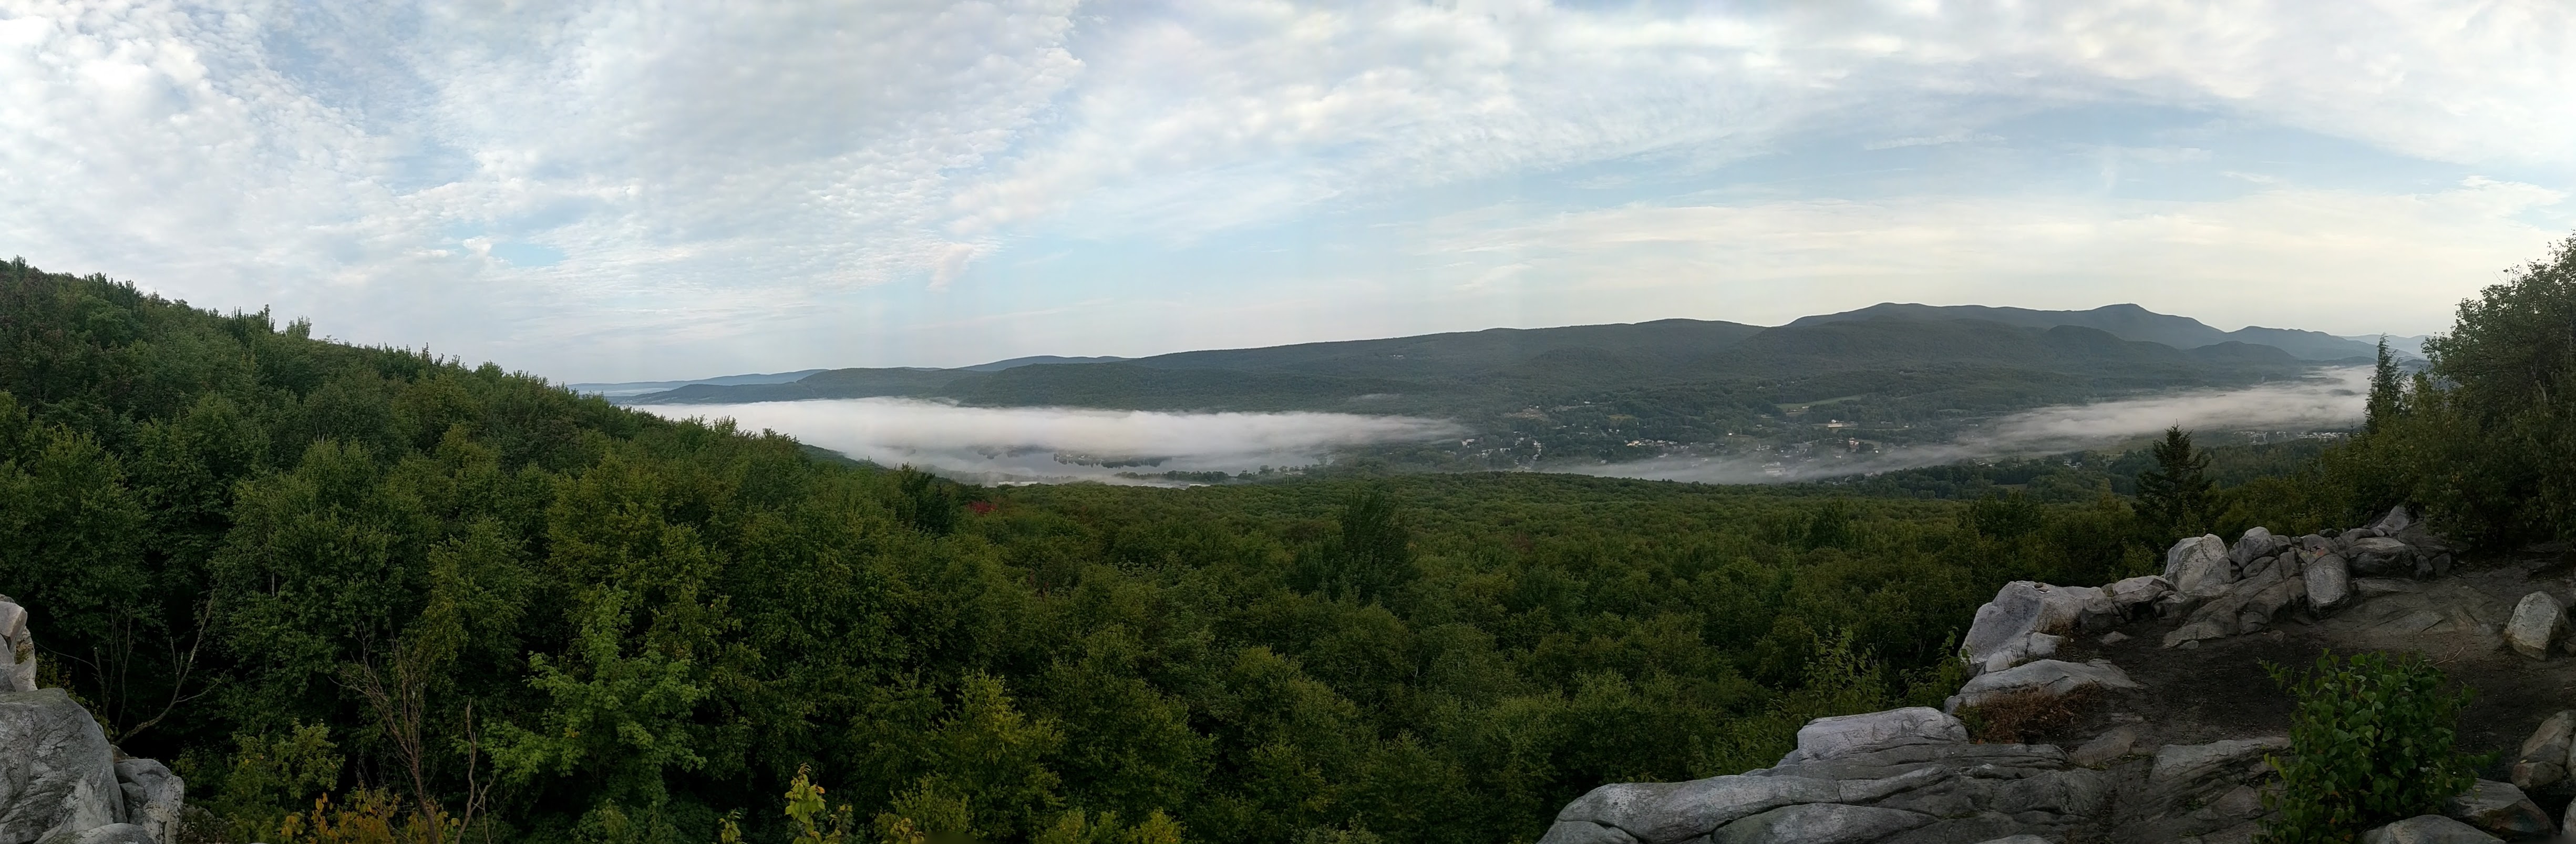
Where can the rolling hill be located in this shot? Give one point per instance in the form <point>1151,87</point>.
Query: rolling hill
<point>1891,375</point>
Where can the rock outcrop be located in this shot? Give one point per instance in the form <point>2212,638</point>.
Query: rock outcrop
<point>2028,620</point>
<point>1913,775</point>
<point>2199,568</point>
<point>60,781</point>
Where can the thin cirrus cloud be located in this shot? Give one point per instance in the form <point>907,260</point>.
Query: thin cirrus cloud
<point>615,190</point>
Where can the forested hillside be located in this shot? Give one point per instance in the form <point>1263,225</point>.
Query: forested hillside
<point>305,568</point>
<point>308,570</point>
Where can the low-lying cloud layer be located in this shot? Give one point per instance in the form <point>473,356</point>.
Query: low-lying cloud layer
<point>2331,399</point>
<point>996,444</point>
<point>999,444</point>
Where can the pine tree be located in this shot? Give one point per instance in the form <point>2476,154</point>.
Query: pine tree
<point>2384,392</point>
<point>2174,496</point>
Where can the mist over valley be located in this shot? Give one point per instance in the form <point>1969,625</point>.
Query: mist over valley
<point>1879,389</point>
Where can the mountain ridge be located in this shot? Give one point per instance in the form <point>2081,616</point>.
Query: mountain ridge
<point>2127,321</point>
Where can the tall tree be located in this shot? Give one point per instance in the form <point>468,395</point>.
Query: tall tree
<point>1373,554</point>
<point>2384,392</point>
<point>2175,496</point>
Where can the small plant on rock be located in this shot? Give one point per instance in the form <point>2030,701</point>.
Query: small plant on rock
<point>2026,716</point>
<point>2373,740</point>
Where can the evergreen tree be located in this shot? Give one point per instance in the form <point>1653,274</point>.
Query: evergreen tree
<point>2174,497</point>
<point>1372,555</point>
<point>2384,392</point>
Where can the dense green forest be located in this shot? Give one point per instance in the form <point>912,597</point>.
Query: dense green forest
<point>304,569</point>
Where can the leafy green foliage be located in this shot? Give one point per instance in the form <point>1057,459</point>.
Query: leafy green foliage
<point>2475,441</point>
<point>2372,741</point>
<point>572,622</point>
<point>271,778</point>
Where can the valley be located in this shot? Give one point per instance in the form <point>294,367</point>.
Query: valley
<point>1886,387</point>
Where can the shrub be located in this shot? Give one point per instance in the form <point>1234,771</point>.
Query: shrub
<point>2027,715</point>
<point>2371,741</point>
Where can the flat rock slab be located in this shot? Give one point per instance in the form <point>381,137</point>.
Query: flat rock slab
<point>2178,762</point>
<point>2428,829</point>
<point>1828,738</point>
<point>2440,619</point>
<point>2115,743</point>
<point>1819,823</point>
<point>2501,809</point>
<point>1667,812</point>
<point>1584,832</point>
<point>2049,676</point>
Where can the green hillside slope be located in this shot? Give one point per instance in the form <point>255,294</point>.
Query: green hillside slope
<point>394,584</point>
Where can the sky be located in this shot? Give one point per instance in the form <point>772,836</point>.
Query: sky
<point>625,191</point>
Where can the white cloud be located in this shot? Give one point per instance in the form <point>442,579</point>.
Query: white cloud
<point>2346,261</point>
<point>708,170</point>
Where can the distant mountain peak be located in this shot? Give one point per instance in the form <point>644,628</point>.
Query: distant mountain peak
<point>2127,321</point>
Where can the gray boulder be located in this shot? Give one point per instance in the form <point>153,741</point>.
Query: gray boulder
<point>2049,676</point>
<point>2379,555</point>
<point>2018,839</point>
<point>2329,581</point>
<point>2247,605</point>
<point>2544,756</point>
<point>57,773</point>
<point>2256,544</point>
<point>153,797</point>
<point>1830,738</point>
<point>2538,622</point>
<point>2131,596</point>
<point>17,649</point>
<point>2001,634</point>
<point>2199,568</point>
<point>2397,521</point>
<point>2428,829</point>
<point>1825,823</point>
<point>2500,809</point>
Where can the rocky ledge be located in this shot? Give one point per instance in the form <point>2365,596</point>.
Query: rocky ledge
<point>1915,776</point>
<point>60,781</point>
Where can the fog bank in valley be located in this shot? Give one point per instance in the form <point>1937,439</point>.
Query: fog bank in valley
<point>995,444</point>
<point>2332,399</point>
<point>1004,444</point>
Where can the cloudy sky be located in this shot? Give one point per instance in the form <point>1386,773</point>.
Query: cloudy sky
<point>616,190</point>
